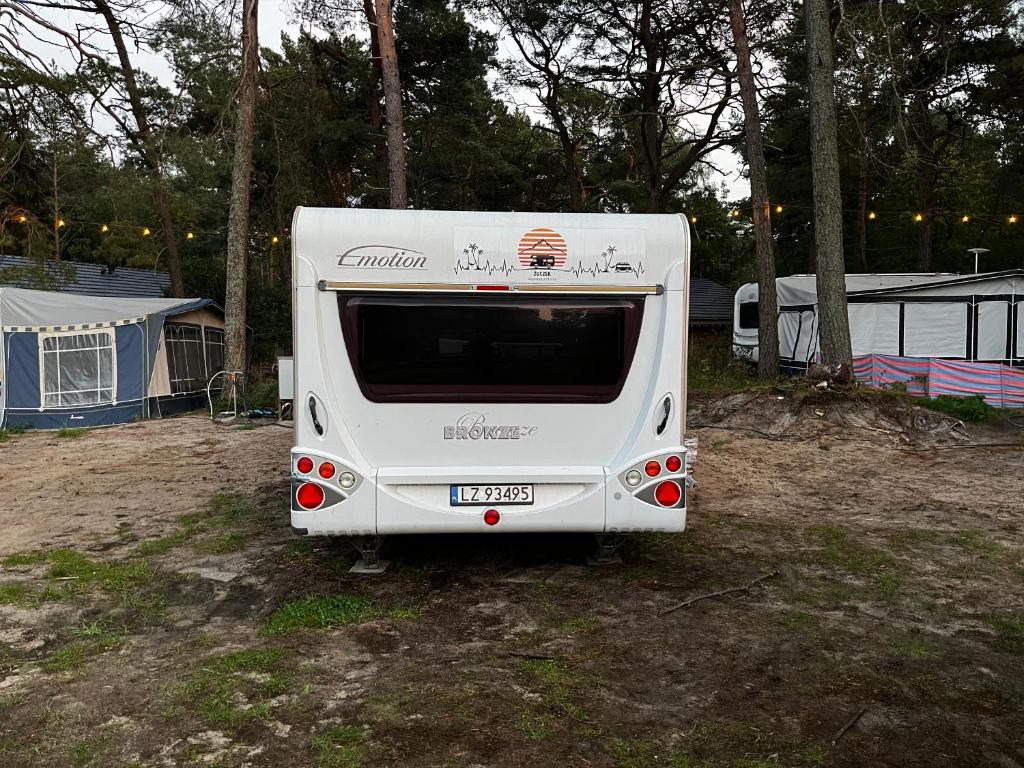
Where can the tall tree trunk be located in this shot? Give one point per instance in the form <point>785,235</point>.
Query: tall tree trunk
<point>649,109</point>
<point>380,153</point>
<point>241,185</point>
<point>392,104</point>
<point>833,321</point>
<point>56,212</point>
<point>767,324</point>
<point>142,139</point>
<point>927,178</point>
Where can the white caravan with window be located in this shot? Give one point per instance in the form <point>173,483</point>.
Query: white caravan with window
<point>460,372</point>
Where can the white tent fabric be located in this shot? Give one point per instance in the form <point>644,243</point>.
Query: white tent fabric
<point>803,289</point>
<point>21,307</point>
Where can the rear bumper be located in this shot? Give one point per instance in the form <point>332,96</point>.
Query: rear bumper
<point>566,499</point>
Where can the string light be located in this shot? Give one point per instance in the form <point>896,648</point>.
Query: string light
<point>872,216</point>
<point>146,232</point>
<point>22,218</point>
<point>60,223</point>
<point>1012,219</point>
<point>965,219</point>
<point>104,229</point>
<point>735,213</point>
<point>918,217</point>
<point>275,240</point>
<point>693,219</point>
<point>189,235</point>
<point>778,209</point>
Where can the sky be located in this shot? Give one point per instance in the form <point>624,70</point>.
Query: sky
<point>276,17</point>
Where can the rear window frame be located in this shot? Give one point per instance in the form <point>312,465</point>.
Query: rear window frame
<point>349,302</point>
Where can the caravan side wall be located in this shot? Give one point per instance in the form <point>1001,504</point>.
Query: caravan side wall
<point>380,339</point>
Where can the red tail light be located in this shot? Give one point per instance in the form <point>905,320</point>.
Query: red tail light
<point>668,493</point>
<point>673,463</point>
<point>491,517</point>
<point>309,496</point>
<point>304,465</point>
<point>326,470</point>
<point>652,468</point>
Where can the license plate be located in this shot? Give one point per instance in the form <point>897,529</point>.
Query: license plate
<point>484,495</point>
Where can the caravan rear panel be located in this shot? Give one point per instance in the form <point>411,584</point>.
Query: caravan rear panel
<point>441,352</point>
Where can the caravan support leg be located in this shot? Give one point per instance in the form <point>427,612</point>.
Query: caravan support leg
<point>368,548</point>
<point>607,549</point>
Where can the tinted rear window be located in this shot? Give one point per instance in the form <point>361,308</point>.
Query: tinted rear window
<point>749,315</point>
<point>490,349</point>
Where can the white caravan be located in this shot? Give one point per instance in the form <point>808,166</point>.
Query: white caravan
<point>468,371</point>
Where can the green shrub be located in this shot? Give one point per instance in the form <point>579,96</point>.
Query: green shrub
<point>971,409</point>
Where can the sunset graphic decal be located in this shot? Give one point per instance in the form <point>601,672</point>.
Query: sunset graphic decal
<point>542,248</point>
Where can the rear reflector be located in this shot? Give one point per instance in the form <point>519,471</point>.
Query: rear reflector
<point>652,468</point>
<point>673,463</point>
<point>309,496</point>
<point>491,517</point>
<point>668,493</point>
<point>304,465</point>
<point>326,470</point>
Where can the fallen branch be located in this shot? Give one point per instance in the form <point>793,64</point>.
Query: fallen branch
<point>719,593</point>
<point>531,656</point>
<point>849,724</point>
<point>777,436</point>
<point>969,445</point>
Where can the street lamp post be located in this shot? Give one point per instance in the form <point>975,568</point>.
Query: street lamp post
<point>976,252</point>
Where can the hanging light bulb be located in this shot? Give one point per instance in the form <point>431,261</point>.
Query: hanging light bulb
<point>275,240</point>
<point>919,217</point>
<point>778,208</point>
<point>965,219</point>
<point>146,232</point>
<point>104,229</point>
<point>60,223</point>
<point>693,219</point>
<point>734,213</point>
<point>1012,219</point>
<point>22,218</point>
<point>189,235</point>
<point>872,216</point>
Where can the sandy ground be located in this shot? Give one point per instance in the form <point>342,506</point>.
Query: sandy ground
<point>180,624</point>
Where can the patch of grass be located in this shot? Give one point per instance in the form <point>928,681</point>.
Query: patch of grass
<point>162,545</point>
<point>1009,631</point>
<point>973,541</point>
<point>404,613</point>
<point>14,594</point>
<point>533,725</point>
<point>343,746</point>
<point>887,584</point>
<point>799,621</point>
<point>914,537</point>
<point>839,550</point>
<point>712,369</point>
<point>221,545</point>
<point>91,640</point>
<point>24,558</point>
<point>556,680</point>
<point>576,624</point>
<point>971,409</point>
<point>320,612</point>
<point>88,751</point>
<point>121,577</point>
<point>237,687</point>
<point>911,646</point>
<point>645,754</point>
<point>70,432</point>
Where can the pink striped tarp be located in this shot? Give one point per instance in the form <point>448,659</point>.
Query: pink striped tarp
<point>1001,385</point>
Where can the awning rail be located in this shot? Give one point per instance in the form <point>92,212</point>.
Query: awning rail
<point>603,290</point>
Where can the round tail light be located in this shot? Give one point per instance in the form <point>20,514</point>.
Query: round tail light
<point>673,463</point>
<point>326,470</point>
<point>309,496</point>
<point>304,465</point>
<point>668,493</point>
<point>491,517</point>
<point>652,468</point>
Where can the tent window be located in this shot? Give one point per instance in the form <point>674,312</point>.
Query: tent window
<point>749,315</point>
<point>185,357</point>
<point>77,369</point>
<point>214,350</point>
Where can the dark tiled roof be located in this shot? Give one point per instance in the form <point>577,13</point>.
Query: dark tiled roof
<point>710,303</point>
<point>83,279</point>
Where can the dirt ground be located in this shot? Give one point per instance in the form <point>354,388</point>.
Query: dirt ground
<point>156,611</point>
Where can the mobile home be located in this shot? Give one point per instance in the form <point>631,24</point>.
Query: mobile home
<point>934,315</point>
<point>460,372</point>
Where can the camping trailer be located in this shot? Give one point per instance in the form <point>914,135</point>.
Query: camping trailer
<point>69,360</point>
<point>502,372</point>
<point>935,315</point>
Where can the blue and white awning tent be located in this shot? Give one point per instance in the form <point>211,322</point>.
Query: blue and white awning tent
<point>85,361</point>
